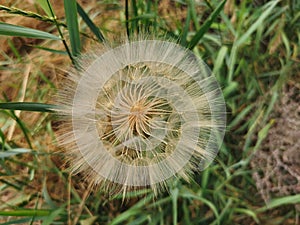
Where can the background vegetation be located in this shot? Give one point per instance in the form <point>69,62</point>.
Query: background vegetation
<point>252,48</point>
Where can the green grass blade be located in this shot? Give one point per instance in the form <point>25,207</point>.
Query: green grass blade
<point>194,16</point>
<point>287,200</point>
<point>49,49</point>
<point>133,194</point>
<point>120,219</point>
<point>133,211</point>
<point>44,5</point>
<point>19,31</point>
<point>204,28</point>
<point>185,30</point>
<point>53,215</point>
<point>14,50</point>
<point>225,211</point>
<point>239,117</point>
<point>140,220</point>
<point>46,195</point>
<point>2,137</point>
<point>25,220</point>
<point>22,127</point>
<point>186,212</point>
<point>25,212</point>
<point>232,62</point>
<point>29,106</point>
<point>258,23</point>
<point>134,23</point>
<point>247,212</point>
<point>90,23</point>
<point>204,201</point>
<point>174,195</point>
<point>57,24</point>
<point>13,152</point>
<point>220,59</point>
<point>72,24</point>
<point>231,88</point>
<point>127,18</point>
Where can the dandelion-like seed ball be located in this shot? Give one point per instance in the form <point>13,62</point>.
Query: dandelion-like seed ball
<point>141,114</point>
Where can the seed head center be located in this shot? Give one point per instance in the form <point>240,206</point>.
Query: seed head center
<point>137,109</point>
<point>138,118</point>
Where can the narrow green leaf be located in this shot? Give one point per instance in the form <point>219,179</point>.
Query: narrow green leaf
<point>220,59</point>
<point>239,117</point>
<point>134,23</point>
<point>287,200</point>
<point>51,217</point>
<point>50,50</point>
<point>22,126</point>
<point>127,18</point>
<point>271,104</point>
<point>247,212</point>
<point>186,212</point>
<point>174,195</point>
<point>133,211</point>
<point>72,24</point>
<point>13,152</point>
<point>90,23</point>
<point>45,7</point>
<point>204,200</point>
<point>26,220</point>
<point>25,212</point>
<point>258,22</point>
<point>194,16</point>
<point>232,62</point>
<point>233,86</point>
<point>13,30</point>
<point>204,28</point>
<point>225,210</point>
<point>160,202</point>
<point>120,219</point>
<point>46,195</point>
<point>204,179</point>
<point>2,136</point>
<point>185,30</point>
<point>253,122</point>
<point>14,50</point>
<point>133,194</point>
<point>29,106</point>
<point>262,134</point>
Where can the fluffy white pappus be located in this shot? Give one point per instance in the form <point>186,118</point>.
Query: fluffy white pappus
<point>140,114</point>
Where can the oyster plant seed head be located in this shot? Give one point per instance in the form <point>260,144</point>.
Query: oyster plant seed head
<point>140,114</point>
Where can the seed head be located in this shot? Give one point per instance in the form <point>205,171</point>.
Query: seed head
<point>141,114</point>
